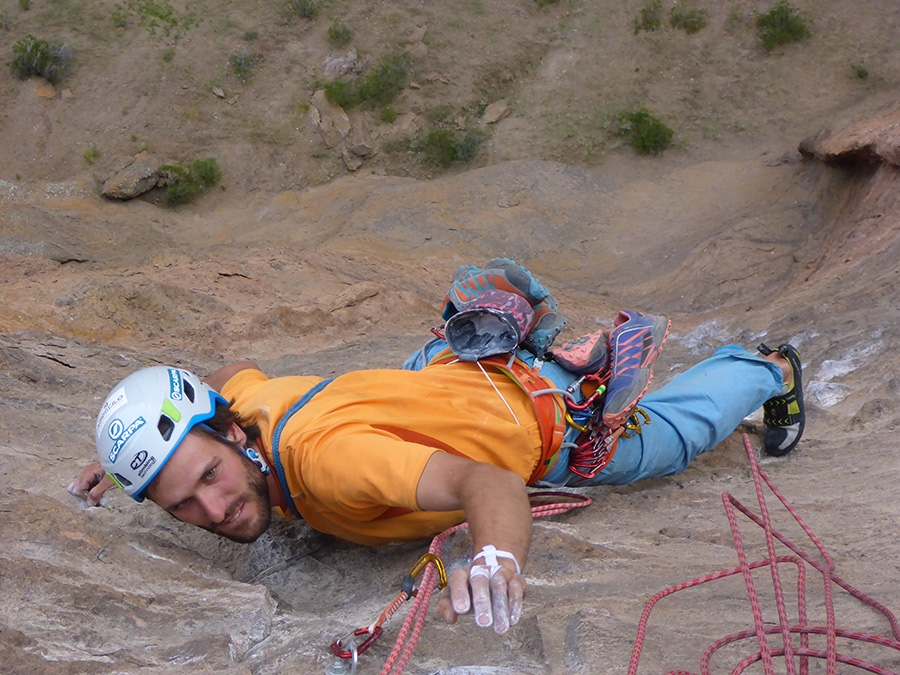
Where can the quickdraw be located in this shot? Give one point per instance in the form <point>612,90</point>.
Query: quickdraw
<point>354,643</point>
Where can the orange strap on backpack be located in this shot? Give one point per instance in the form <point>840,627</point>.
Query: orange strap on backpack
<point>549,409</point>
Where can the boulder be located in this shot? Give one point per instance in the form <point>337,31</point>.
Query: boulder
<point>135,178</point>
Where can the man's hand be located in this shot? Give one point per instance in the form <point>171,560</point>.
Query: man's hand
<point>496,506</point>
<point>497,602</point>
<point>91,484</point>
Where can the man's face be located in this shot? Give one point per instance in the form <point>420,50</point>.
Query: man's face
<point>209,483</point>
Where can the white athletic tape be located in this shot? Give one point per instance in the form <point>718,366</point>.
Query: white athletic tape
<point>490,553</point>
<point>483,571</point>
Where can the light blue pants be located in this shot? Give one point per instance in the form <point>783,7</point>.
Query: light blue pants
<point>689,415</point>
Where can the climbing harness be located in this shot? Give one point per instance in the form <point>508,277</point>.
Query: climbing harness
<point>549,410</point>
<point>789,647</point>
<point>434,576</point>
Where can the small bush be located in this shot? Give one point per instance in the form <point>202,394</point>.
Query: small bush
<point>689,20</point>
<point>388,115</point>
<point>379,88</point>
<point>781,25</point>
<point>251,35</point>
<point>307,9</point>
<point>443,146</point>
<point>649,18</point>
<point>49,60</point>
<point>186,183</point>
<point>647,134</point>
<point>339,35</point>
<point>860,71</point>
<point>242,63</point>
<point>91,155</point>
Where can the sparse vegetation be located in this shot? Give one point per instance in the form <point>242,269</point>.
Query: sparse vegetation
<point>186,182</point>
<point>782,24</point>
<point>689,20</point>
<point>444,146</point>
<point>160,14</point>
<point>647,134</point>
<point>339,35</point>
<point>380,87</point>
<point>544,3</point>
<point>91,155</point>
<point>388,115</point>
<point>649,17</point>
<point>860,71</point>
<point>251,35</point>
<point>242,63</point>
<point>306,9</point>
<point>49,60</point>
<point>25,5</point>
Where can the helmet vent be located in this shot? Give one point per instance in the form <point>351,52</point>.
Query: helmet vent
<point>188,390</point>
<point>165,426</point>
<point>122,480</point>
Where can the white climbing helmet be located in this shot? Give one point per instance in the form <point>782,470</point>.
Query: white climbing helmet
<point>145,418</point>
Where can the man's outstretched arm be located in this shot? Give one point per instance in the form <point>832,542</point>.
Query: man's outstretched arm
<point>496,506</point>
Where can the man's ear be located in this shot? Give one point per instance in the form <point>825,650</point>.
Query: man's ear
<point>237,435</point>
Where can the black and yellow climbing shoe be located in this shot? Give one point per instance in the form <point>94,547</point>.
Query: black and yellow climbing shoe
<point>784,415</point>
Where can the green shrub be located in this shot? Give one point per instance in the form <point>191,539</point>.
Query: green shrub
<point>388,115</point>
<point>443,146</point>
<point>91,155</point>
<point>860,71</point>
<point>307,9</point>
<point>49,60</point>
<point>339,35</point>
<point>690,20</point>
<point>780,25</point>
<point>341,92</point>
<point>544,3</point>
<point>647,134</point>
<point>186,183</point>
<point>649,18</point>
<point>242,63</point>
<point>160,14</point>
<point>379,88</point>
<point>25,4</point>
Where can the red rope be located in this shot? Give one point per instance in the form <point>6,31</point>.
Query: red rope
<point>543,504</point>
<point>789,651</point>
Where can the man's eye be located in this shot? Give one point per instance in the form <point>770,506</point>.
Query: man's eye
<point>210,474</point>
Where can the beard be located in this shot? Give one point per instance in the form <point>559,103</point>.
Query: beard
<point>255,496</point>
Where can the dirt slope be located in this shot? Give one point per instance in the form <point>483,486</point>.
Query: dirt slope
<point>307,267</point>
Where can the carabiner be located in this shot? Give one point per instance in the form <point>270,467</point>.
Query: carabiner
<point>415,570</point>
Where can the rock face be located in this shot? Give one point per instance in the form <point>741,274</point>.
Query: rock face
<point>350,275</point>
<point>874,140</point>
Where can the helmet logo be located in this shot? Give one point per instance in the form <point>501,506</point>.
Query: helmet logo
<point>119,433</point>
<point>115,401</point>
<point>139,459</point>
<point>176,388</point>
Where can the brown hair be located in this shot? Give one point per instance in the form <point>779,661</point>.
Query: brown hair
<point>226,415</point>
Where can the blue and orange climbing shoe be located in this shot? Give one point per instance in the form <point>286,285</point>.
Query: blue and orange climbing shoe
<point>784,415</point>
<point>634,344</point>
